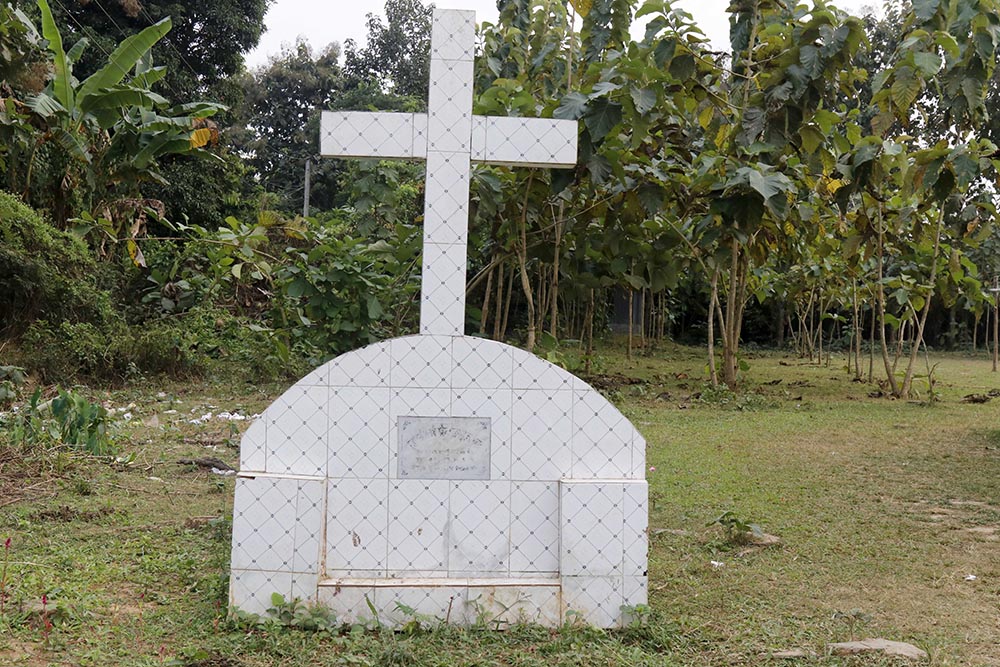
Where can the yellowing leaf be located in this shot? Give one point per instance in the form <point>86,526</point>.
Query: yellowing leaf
<point>201,137</point>
<point>135,253</point>
<point>582,7</point>
<point>705,117</point>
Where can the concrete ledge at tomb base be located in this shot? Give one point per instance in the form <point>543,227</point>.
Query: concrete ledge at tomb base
<point>493,601</point>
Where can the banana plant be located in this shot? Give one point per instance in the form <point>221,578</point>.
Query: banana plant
<point>110,128</point>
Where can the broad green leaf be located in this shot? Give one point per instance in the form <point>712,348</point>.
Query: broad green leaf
<point>925,9</point>
<point>812,138</point>
<point>124,58</point>
<point>119,98</point>
<point>572,107</point>
<point>73,55</point>
<point>682,67</point>
<point>826,120</point>
<point>71,144</point>
<point>927,63</point>
<point>604,116</point>
<point>44,105</point>
<point>644,99</point>
<point>62,84</point>
<point>905,89</point>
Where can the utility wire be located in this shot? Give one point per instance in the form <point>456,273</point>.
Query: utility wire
<point>93,34</point>
<point>171,45</point>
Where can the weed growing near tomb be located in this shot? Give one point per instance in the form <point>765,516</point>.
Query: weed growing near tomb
<point>737,531</point>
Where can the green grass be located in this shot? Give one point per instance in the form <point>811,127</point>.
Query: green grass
<point>883,508</point>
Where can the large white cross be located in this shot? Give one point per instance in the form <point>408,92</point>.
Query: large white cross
<point>449,138</point>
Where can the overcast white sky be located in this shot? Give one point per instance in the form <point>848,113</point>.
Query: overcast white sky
<point>323,21</point>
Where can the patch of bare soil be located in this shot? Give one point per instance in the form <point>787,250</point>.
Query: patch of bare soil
<point>23,654</point>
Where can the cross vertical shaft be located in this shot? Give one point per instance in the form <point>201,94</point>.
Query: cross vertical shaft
<point>450,139</point>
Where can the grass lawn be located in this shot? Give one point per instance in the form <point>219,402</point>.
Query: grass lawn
<point>884,509</point>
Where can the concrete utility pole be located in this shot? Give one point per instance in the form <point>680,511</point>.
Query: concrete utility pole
<point>305,195</point>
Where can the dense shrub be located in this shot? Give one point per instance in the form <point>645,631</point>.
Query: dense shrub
<point>197,343</point>
<point>44,273</point>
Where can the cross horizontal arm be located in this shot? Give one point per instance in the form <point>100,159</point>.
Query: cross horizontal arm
<point>524,142</point>
<point>515,142</point>
<point>365,134</point>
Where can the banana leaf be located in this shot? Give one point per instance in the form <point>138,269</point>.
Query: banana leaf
<point>124,58</point>
<point>62,84</point>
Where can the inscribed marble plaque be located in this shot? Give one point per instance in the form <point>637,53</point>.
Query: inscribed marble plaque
<point>444,448</point>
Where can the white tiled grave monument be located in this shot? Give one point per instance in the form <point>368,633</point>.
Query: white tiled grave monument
<point>461,477</point>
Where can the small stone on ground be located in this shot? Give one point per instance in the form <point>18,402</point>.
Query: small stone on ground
<point>879,645</point>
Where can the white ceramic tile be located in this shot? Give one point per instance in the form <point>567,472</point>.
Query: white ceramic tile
<point>303,587</point>
<point>542,425</point>
<point>449,119</point>
<point>534,527</point>
<point>638,457</point>
<point>348,603</point>
<point>602,438</point>
<point>530,372</point>
<point>446,211</point>
<point>417,402</point>
<point>479,138</point>
<point>366,134</point>
<point>479,528</point>
<point>296,432</point>
<point>310,517</point>
<point>318,377</point>
<point>264,523</point>
<point>418,518</point>
<point>595,601</point>
<point>420,361</point>
<point>253,447</point>
<point>482,363</point>
<point>432,602</point>
<point>250,590</point>
<point>536,142</point>
<point>635,535</point>
<point>359,432</point>
<point>357,526</point>
<point>592,520</point>
<point>635,591</point>
<point>442,301</point>
<point>453,35</point>
<point>502,606</point>
<point>420,135</point>
<point>367,367</point>
<point>496,406</point>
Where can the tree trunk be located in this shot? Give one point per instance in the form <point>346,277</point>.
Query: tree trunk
<point>484,315</point>
<point>631,302</point>
<point>871,348</point>
<point>642,319</point>
<point>554,291</point>
<point>588,327</point>
<point>734,314</point>
<point>890,375</point>
<point>498,318</point>
<point>522,260</point>
<point>506,308</point>
<point>713,375</point>
<point>918,336</point>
